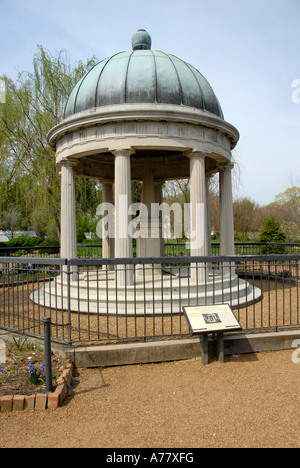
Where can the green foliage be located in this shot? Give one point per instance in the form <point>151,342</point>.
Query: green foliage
<point>82,226</point>
<point>29,178</point>
<point>272,233</point>
<point>24,241</point>
<point>291,196</point>
<point>289,204</point>
<point>20,343</point>
<point>88,197</point>
<point>49,243</point>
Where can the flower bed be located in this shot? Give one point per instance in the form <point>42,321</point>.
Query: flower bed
<point>22,379</point>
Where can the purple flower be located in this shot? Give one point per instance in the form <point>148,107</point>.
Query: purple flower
<point>2,370</point>
<point>36,376</point>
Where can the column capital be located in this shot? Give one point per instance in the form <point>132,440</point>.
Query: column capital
<point>226,167</point>
<point>123,152</point>
<point>196,154</point>
<point>69,162</point>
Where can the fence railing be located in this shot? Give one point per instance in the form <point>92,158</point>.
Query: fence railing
<point>180,249</point>
<point>117,300</point>
<point>240,248</point>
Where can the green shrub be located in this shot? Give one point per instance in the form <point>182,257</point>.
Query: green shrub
<point>24,241</point>
<point>272,233</point>
<point>49,243</point>
<point>82,226</point>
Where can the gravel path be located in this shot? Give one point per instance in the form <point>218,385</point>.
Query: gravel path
<point>250,401</point>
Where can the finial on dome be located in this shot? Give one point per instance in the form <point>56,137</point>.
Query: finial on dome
<point>141,40</point>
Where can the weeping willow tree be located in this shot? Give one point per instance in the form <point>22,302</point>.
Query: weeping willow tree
<point>29,178</point>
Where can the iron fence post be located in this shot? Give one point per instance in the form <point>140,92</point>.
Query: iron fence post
<point>47,351</point>
<point>69,301</point>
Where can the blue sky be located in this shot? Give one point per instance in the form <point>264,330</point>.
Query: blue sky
<point>249,50</point>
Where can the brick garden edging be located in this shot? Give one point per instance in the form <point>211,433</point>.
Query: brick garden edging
<point>41,401</point>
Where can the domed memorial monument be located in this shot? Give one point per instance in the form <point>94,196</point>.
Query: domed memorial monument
<point>145,115</point>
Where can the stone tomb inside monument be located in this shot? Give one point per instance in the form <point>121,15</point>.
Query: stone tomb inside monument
<point>145,115</point>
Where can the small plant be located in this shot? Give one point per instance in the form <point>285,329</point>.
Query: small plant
<point>20,344</point>
<point>33,347</point>
<point>36,376</point>
<point>285,274</point>
<point>2,370</point>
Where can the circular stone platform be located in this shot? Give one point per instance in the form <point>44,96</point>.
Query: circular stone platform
<point>99,293</point>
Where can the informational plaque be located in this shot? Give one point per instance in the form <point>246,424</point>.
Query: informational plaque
<point>212,318</point>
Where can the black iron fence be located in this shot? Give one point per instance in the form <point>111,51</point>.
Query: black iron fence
<point>101,301</point>
<point>180,249</point>
<point>240,248</point>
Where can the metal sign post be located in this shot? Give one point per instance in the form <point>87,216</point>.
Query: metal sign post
<point>216,319</point>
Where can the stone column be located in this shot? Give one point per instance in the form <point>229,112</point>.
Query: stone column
<point>148,242</point>
<point>208,218</point>
<point>226,214</point>
<point>123,242</point>
<point>68,247</point>
<point>198,216</point>
<point>68,236</point>
<point>107,231</point>
<point>158,190</point>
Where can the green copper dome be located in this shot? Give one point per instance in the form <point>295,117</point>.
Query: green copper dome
<point>143,76</point>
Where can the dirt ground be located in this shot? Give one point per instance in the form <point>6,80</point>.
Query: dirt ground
<point>250,401</point>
